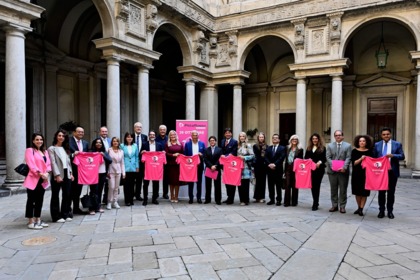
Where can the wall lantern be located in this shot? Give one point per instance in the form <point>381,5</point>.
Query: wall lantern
<point>381,53</point>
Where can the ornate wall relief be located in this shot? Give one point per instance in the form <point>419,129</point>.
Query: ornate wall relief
<point>201,46</point>
<point>335,26</point>
<point>213,46</point>
<point>317,38</point>
<point>136,21</point>
<point>151,13</point>
<point>299,33</point>
<point>227,49</point>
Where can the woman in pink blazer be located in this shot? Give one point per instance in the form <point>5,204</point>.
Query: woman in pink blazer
<point>37,181</point>
<point>116,172</point>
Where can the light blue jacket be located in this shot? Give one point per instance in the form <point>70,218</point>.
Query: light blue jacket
<point>131,160</point>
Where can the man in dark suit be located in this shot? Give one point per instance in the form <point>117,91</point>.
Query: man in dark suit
<point>394,151</point>
<point>162,138</point>
<point>151,146</point>
<point>211,158</point>
<point>77,144</point>
<point>339,179</point>
<point>195,147</point>
<point>139,138</point>
<point>274,158</point>
<point>103,133</point>
<point>229,147</point>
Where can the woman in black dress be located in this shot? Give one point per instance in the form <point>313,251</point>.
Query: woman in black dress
<point>294,151</point>
<point>363,148</point>
<point>260,168</point>
<point>317,152</point>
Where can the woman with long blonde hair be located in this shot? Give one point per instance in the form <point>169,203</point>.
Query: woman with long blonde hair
<point>173,149</point>
<point>247,154</point>
<point>294,151</point>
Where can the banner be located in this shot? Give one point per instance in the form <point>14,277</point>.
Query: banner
<point>185,127</point>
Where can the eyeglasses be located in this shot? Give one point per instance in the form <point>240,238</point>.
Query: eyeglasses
<point>338,135</point>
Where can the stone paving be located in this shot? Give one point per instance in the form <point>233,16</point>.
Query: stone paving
<point>197,241</point>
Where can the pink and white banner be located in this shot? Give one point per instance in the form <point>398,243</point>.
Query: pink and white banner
<point>185,127</point>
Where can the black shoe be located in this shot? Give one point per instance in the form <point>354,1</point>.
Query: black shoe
<point>225,201</point>
<point>140,198</point>
<point>314,208</point>
<point>155,202</point>
<point>144,202</point>
<point>218,203</point>
<point>229,202</point>
<point>206,202</point>
<point>381,214</point>
<point>356,212</point>
<point>390,215</point>
<point>199,201</point>
<point>190,201</point>
<point>165,196</point>
<point>361,212</point>
<point>270,202</point>
<point>278,203</point>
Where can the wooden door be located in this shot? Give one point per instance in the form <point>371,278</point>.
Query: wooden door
<point>382,112</point>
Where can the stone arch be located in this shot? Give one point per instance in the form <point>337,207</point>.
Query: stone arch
<point>180,37</point>
<point>109,24</point>
<point>253,41</point>
<point>399,20</point>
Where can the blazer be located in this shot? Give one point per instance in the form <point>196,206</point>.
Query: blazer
<point>146,147</point>
<point>212,159</point>
<point>345,154</point>
<point>117,166</point>
<point>396,151</point>
<point>298,154</point>
<point>74,147</point>
<point>57,163</point>
<point>276,158</point>
<point>316,157</point>
<point>231,148</point>
<point>143,139</point>
<point>188,150</point>
<point>36,163</point>
<point>108,140</point>
<point>131,160</point>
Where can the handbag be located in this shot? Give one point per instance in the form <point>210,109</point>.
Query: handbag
<point>22,169</point>
<point>89,200</point>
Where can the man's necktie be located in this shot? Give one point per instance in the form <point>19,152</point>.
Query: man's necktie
<point>384,149</point>
<point>226,142</point>
<point>79,145</point>
<point>274,149</point>
<point>338,150</point>
<point>138,140</point>
<point>212,151</point>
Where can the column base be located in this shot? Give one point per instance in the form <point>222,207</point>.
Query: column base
<point>415,174</point>
<point>11,187</point>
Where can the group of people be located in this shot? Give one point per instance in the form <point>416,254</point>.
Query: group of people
<point>122,163</point>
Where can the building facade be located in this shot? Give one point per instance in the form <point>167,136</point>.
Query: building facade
<point>281,66</point>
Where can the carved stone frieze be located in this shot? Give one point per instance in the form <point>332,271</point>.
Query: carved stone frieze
<point>191,11</point>
<point>122,10</point>
<point>151,13</point>
<point>136,20</point>
<point>335,26</point>
<point>317,40</point>
<point>201,46</point>
<point>233,43</point>
<point>299,32</point>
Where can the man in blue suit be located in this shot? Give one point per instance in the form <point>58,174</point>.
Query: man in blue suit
<point>229,146</point>
<point>151,146</point>
<point>394,151</point>
<point>195,147</point>
<point>76,145</point>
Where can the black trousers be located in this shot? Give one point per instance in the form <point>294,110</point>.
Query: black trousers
<point>243,191</point>
<point>155,186</point>
<point>260,178</point>
<point>130,178</point>
<point>274,184</point>
<point>291,193</point>
<point>76,191</point>
<point>105,189</point>
<point>139,181</point>
<point>65,187</point>
<point>199,183</point>
<point>165,185</point>
<point>97,189</point>
<point>230,191</point>
<point>382,197</point>
<point>217,189</point>
<point>316,179</point>
<point>35,201</point>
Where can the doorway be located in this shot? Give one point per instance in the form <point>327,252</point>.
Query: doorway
<point>382,112</point>
<point>287,123</point>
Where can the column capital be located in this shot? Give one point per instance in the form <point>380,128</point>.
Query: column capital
<point>144,68</point>
<point>336,77</point>
<point>112,60</point>
<point>189,82</point>
<point>16,30</point>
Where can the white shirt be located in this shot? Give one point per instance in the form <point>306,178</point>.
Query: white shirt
<point>194,148</point>
<point>152,147</point>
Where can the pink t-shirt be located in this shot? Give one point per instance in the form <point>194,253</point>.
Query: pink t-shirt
<point>188,167</point>
<point>153,165</point>
<point>88,167</point>
<point>303,172</point>
<point>376,173</point>
<point>232,170</point>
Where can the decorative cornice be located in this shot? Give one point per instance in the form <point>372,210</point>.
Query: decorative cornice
<point>311,69</point>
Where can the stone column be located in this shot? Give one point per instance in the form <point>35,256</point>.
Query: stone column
<point>209,108</point>
<point>15,103</point>
<point>143,114</point>
<point>113,98</point>
<point>336,104</point>
<point>416,169</point>
<point>190,101</point>
<point>237,110</point>
<point>301,110</point>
